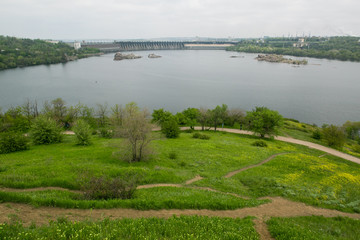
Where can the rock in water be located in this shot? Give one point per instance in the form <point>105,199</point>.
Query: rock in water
<point>120,56</point>
<point>152,55</point>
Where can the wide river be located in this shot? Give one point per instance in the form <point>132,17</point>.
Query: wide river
<point>321,92</point>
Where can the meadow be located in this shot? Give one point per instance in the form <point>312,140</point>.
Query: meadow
<point>298,174</point>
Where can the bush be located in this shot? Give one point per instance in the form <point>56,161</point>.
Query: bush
<point>106,133</point>
<point>196,135</point>
<point>204,137</point>
<point>82,132</point>
<point>45,131</point>
<point>334,136</point>
<point>103,187</point>
<point>201,136</point>
<point>172,155</point>
<point>259,143</point>
<point>189,130</point>
<point>356,148</point>
<point>170,128</point>
<point>13,142</point>
<point>316,134</point>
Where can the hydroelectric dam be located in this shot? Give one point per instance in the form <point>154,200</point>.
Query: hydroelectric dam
<point>121,46</point>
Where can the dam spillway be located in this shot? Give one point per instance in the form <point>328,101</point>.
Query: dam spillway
<point>153,45</point>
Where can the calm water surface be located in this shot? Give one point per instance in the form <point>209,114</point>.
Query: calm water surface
<point>321,92</point>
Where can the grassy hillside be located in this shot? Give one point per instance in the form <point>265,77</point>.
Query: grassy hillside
<point>17,52</point>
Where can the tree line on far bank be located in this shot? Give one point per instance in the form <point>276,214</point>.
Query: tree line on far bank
<point>340,48</point>
<point>45,126</point>
<point>17,52</point>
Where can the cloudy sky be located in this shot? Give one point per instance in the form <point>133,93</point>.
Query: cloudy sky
<point>119,19</point>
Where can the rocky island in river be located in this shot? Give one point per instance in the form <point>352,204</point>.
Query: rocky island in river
<point>279,59</point>
<point>120,56</point>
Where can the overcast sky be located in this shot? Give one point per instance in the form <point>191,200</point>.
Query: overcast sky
<point>119,19</point>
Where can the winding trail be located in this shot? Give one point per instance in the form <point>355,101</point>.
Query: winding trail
<point>279,207</point>
<point>280,138</point>
<point>295,141</point>
<point>230,174</point>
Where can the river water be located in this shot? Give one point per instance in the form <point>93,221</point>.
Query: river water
<point>321,92</point>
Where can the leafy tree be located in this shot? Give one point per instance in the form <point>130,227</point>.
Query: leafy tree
<point>137,131</point>
<point>117,113</point>
<point>235,117</point>
<point>218,115</point>
<point>82,132</point>
<point>334,136</point>
<point>45,131</point>
<point>101,112</point>
<point>352,129</point>
<point>204,117</point>
<point>263,121</point>
<point>191,115</point>
<point>170,128</point>
<point>13,142</point>
<point>160,115</point>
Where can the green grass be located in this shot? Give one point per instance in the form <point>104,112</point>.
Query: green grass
<point>184,227</point>
<point>144,199</point>
<point>300,174</point>
<point>61,164</point>
<point>315,227</point>
<point>328,182</point>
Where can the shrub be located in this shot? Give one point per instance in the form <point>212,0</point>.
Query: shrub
<point>334,136</point>
<point>196,135</point>
<point>13,142</point>
<point>82,132</point>
<point>204,137</point>
<point>45,131</point>
<point>259,143</point>
<point>103,187</point>
<point>106,133</point>
<point>201,136</point>
<point>357,148</point>
<point>172,155</point>
<point>170,128</point>
<point>316,134</point>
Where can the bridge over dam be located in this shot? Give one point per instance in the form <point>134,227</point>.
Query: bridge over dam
<point>161,45</point>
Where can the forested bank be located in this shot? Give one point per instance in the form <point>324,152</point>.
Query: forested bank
<point>339,48</point>
<point>16,52</point>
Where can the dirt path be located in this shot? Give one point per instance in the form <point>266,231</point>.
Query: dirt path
<point>299,142</point>
<point>230,174</point>
<point>279,207</point>
<point>280,138</point>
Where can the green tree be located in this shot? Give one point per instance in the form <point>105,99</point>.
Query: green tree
<point>191,115</point>
<point>45,131</point>
<point>136,129</point>
<point>218,115</point>
<point>82,132</point>
<point>263,121</point>
<point>334,136</point>
<point>170,128</point>
<point>160,115</point>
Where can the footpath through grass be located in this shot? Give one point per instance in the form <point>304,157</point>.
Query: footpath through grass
<point>315,227</point>
<point>144,199</point>
<point>302,174</point>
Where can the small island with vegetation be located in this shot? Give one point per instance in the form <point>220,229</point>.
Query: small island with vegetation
<point>121,56</point>
<point>279,59</point>
<point>21,52</point>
